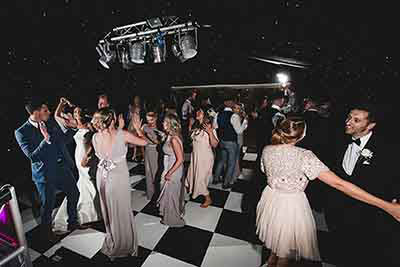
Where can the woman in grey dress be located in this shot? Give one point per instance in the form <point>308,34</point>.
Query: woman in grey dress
<point>171,199</point>
<point>150,153</point>
<point>112,176</point>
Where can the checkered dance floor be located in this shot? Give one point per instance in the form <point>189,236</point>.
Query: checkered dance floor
<point>220,235</point>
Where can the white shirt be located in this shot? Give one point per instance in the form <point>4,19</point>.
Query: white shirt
<point>278,116</point>
<point>353,152</point>
<point>187,108</point>
<point>238,126</point>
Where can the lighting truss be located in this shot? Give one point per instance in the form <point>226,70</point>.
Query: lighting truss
<point>145,30</point>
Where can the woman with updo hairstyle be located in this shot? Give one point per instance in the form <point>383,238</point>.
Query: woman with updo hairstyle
<point>285,222</point>
<point>110,146</point>
<point>171,199</point>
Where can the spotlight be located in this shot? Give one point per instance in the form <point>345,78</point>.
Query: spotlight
<point>158,47</point>
<point>283,78</point>
<point>107,56</point>
<point>137,52</point>
<point>188,46</point>
<point>126,63</point>
<point>177,52</point>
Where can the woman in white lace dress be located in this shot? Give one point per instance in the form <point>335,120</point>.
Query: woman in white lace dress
<point>284,219</point>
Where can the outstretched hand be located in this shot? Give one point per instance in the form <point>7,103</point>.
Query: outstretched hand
<point>137,122</point>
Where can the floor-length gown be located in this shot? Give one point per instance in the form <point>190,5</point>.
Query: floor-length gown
<point>171,200</point>
<point>150,161</point>
<point>201,164</point>
<point>285,222</point>
<point>115,199</point>
<point>86,207</point>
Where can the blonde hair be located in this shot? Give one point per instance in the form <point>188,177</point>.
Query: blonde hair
<point>174,123</point>
<point>103,118</point>
<point>290,130</point>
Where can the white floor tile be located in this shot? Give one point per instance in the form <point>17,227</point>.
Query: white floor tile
<point>250,156</point>
<point>237,255</point>
<point>149,230</point>
<point>219,240</point>
<point>135,179</point>
<point>85,242</point>
<point>34,254</point>
<point>217,186</point>
<point>203,218</point>
<point>158,259</point>
<point>234,202</point>
<point>139,200</point>
<point>50,252</point>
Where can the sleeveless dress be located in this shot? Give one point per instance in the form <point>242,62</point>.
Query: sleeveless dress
<point>86,208</point>
<point>285,222</point>
<point>115,199</point>
<point>150,161</point>
<point>201,164</point>
<point>171,200</point>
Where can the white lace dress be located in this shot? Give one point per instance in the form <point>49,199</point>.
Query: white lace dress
<point>284,218</point>
<point>85,208</point>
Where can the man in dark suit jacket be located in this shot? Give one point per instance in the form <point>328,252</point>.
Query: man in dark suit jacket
<point>316,140</point>
<point>43,141</point>
<point>365,234</point>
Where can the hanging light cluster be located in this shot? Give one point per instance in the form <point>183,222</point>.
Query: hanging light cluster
<point>147,41</point>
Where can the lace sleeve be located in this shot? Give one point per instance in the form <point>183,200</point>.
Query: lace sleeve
<point>312,166</point>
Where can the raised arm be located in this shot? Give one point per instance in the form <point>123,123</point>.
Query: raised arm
<point>356,192</point>
<point>32,152</point>
<point>133,139</point>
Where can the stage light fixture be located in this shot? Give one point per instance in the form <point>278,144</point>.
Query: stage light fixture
<point>154,23</point>
<point>125,61</point>
<point>177,52</point>
<point>159,48</point>
<point>188,46</point>
<point>107,56</point>
<point>137,52</point>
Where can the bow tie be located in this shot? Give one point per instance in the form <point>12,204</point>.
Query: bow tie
<point>357,141</point>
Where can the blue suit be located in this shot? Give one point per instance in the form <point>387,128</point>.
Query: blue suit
<point>52,166</point>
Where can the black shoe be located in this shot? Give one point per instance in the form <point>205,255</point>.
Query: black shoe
<point>226,186</point>
<point>74,227</point>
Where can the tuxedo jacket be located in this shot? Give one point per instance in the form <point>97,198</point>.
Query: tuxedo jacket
<point>376,176</point>
<point>43,155</point>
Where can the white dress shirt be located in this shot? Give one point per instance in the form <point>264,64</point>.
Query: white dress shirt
<point>187,109</point>
<point>238,126</point>
<point>353,152</point>
<point>278,116</point>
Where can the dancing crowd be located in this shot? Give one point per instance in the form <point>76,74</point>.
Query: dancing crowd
<point>356,187</point>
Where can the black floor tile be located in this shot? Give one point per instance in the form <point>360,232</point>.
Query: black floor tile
<point>241,186</point>
<point>187,244</point>
<point>218,197</point>
<point>151,209</point>
<point>137,170</point>
<point>237,225</point>
<point>141,185</point>
<point>43,261</point>
<point>39,242</point>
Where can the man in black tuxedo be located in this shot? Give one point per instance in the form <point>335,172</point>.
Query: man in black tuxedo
<point>316,140</point>
<point>364,234</point>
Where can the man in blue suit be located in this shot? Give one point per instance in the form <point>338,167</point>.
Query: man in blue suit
<point>43,141</point>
